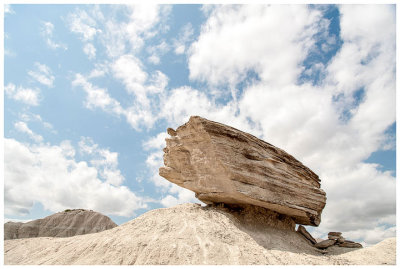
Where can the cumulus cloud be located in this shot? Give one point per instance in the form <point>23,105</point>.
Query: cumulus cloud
<point>47,33</point>
<point>105,161</point>
<point>42,74</point>
<point>50,175</point>
<point>137,83</point>
<point>23,128</point>
<point>143,23</point>
<point>265,39</point>
<point>25,95</point>
<point>130,71</point>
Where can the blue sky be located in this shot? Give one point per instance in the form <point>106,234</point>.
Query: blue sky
<point>89,91</point>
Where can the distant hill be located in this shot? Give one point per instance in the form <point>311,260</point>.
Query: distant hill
<point>63,224</point>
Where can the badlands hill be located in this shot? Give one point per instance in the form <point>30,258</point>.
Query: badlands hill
<point>62,224</point>
<point>192,234</point>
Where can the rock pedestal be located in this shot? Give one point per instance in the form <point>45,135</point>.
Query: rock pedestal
<point>224,165</point>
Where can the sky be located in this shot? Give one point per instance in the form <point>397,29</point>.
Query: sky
<point>89,91</point>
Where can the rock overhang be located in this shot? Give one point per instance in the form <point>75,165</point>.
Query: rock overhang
<point>222,164</point>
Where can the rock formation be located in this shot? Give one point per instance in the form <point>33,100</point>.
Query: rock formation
<point>336,238</point>
<point>190,234</point>
<point>224,165</point>
<point>301,230</point>
<point>62,224</point>
<point>350,244</point>
<point>325,244</point>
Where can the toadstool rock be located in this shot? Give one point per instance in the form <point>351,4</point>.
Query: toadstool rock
<point>224,165</point>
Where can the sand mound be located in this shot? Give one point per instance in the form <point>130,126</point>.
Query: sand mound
<point>190,234</point>
<point>62,224</point>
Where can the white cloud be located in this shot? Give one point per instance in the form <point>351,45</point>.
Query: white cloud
<point>83,24</point>
<point>23,128</point>
<point>265,39</point>
<point>97,97</point>
<point>156,52</point>
<point>90,51</point>
<point>129,69</point>
<point>26,117</point>
<point>185,36</point>
<point>119,38</point>
<point>47,33</point>
<point>17,220</point>
<point>42,74</point>
<point>105,161</point>
<point>8,9</point>
<point>137,82</point>
<point>183,196</point>
<point>49,174</point>
<point>122,41</point>
<point>100,70</point>
<point>25,95</point>
<point>141,110</point>
<point>157,142</point>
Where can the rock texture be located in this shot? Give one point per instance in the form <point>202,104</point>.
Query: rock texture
<point>325,244</point>
<point>306,234</point>
<point>62,224</point>
<point>224,165</point>
<point>336,238</point>
<point>350,244</point>
<point>191,234</point>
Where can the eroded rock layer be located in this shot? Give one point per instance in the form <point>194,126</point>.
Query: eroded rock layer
<point>224,165</point>
<point>62,224</point>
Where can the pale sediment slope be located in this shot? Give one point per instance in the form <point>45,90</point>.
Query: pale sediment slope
<point>191,234</point>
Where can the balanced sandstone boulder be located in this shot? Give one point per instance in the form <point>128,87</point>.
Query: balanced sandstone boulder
<point>224,165</point>
<point>62,224</point>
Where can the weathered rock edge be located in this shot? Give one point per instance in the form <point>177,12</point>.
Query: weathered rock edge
<point>224,165</point>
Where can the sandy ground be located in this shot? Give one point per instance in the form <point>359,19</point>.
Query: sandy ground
<point>190,234</point>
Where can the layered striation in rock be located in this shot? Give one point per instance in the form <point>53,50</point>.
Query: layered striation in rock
<point>224,165</point>
<point>301,230</point>
<point>62,224</point>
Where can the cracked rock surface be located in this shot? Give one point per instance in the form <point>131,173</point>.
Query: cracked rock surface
<point>222,164</point>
